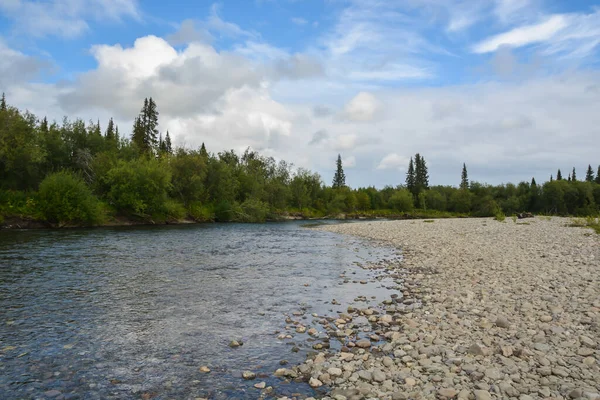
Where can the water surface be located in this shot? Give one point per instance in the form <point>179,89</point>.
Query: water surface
<point>134,312</point>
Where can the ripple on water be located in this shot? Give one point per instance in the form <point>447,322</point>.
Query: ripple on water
<point>122,312</point>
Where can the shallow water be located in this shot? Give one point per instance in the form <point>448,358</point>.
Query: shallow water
<point>134,312</point>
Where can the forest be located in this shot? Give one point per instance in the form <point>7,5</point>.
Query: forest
<point>75,173</point>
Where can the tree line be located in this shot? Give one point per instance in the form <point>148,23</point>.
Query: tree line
<point>76,173</point>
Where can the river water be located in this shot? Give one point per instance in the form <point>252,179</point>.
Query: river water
<point>133,312</point>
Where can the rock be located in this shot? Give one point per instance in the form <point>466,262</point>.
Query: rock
<point>386,318</point>
<point>366,375</point>
<point>560,371</point>
<point>525,397</point>
<point>315,383</point>
<point>586,341</point>
<point>410,381</point>
<point>260,385</point>
<point>585,351</point>
<point>248,375</point>
<point>313,332</point>
<point>482,395</point>
<point>204,369</point>
<point>333,371</point>
<point>52,393</point>
<point>234,344</point>
<point>476,350</point>
<point>447,393</point>
<point>493,374</point>
<point>361,321</point>
<point>546,318</point>
<point>301,329</point>
<point>502,322</point>
<point>576,393</point>
<point>378,376</point>
<point>364,343</point>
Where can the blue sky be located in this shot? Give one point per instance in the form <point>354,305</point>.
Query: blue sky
<point>510,87</point>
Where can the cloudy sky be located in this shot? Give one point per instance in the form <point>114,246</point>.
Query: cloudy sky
<point>510,87</point>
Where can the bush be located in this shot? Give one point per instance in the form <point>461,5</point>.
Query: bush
<point>64,198</point>
<point>174,211</point>
<point>500,216</point>
<point>201,213</point>
<point>139,187</point>
<point>254,210</point>
<point>402,200</point>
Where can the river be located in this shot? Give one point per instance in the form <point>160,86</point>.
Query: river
<point>134,312</point>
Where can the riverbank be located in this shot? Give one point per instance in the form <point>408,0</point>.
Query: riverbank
<point>488,310</point>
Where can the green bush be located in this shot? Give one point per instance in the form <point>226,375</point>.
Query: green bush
<point>201,213</point>
<point>139,187</point>
<point>500,216</point>
<point>254,210</point>
<point>174,211</point>
<point>65,199</point>
<point>402,201</point>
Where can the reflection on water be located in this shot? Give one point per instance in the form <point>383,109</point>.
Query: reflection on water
<point>134,312</point>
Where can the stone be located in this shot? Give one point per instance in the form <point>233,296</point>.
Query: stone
<point>52,393</point>
<point>386,318</point>
<point>248,375</point>
<point>476,350</point>
<point>585,351</point>
<point>234,344</point>
<point>493,374</point>
<point>204,369</point>
<point>365,375</point>
<point>364,343</point>
<point>502,322</point>
<point>482,395</point>
<point>260,385</point>
<point>410,381</point>
<point>333,371</point>
<point>587,342</point>
<point>315,383</point>
<point>560,371</point>
<point>546,318</point>
<point>378,376</point>
<point>576,393</point>
<point>448,393</point>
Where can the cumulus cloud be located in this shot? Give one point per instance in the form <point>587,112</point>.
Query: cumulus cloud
<point>349,162</point>
<point>318,137</point>
<point>393,161</point>
<point>362,107</point>
<point>189,32</point>
<point>16,67</point>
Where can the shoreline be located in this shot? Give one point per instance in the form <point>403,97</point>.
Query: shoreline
<point>505,310</point>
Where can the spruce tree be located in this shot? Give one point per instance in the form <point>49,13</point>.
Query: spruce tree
<point>421,175</point>
<point>44,126</point>
<point>137,137</point>
<point>339,179</point>
<point>464,178</point>
<point>151,127</point>
<point>168,146</point>
<point>3,103</point>
<point>569,178</point>
<point>110,130</point>
<point>558,176</point>
<point>203,151</point>
<point>589,176</point>
<point>573,176</point>
<point>598,175</point>
<point>410,176</point>
<point>97,130</point>
<point>533,182</point>
<point>551,178</point>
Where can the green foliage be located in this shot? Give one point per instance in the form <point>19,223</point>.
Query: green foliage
<point>500,216</point>
<point>253,210</point>
<point>402,201</point>
<point>174,211</point>
<point>65,199</point>
<point>339,178</point>
<point>201,213</point>
<point>139,187</point>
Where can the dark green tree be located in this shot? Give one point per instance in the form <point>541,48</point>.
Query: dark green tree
<point>533,183</point>
<point>558,176</point>
<point>168,145</point>
<point>589,176</point>
<point>410,176</point>
<point>145,128</point>
<point>551,179</point>
<point>110,130</point>
<point>339,178</point>
<point>464,179</point>
<point>598,175</point>
<point>569,178</point>
<point>44,126</point>
<point>573,175</point>
<point>3,103</point>
<point>203,151</point>
<point>421,175</point>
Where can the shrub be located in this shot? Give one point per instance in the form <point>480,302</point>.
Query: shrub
<point>174,211</point>
<point>201,213</point>
<point>500,216</point>
<point>254,210</point>
<point>402,200</point>
<point>64,198</point>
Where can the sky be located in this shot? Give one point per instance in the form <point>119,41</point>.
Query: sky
<point>509,87</point>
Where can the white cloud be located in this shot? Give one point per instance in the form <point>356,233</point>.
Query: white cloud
<point>393,161</point>
<point>524,35</point>
<point>362,107</point>
<point>67,19</point>
<point>344,142</point>
<point>16,67</point>
<point>349,162</point>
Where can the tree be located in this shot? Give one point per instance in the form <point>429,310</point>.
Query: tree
<point>589,176</point>
<point>410,176</point>
<point>339,178</point>
<point>533,183</point>
<point>464,179</point>
<point>110,130</point>
<point>203,151</point>
<point>598,175</point>
<point>145,128</point>
<point>421,175</point>
<point>569,178</point>
<point>558,175</point>
<point>551,179</point>
<point>573,175</point>
<point>3,103</point>
<point>168,146</point>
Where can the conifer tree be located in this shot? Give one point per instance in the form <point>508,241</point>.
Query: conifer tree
<point>598,175</point>
<point>421,175</point>
<point>3,103</point>
<point>589,176</point>
<point>410,176</point>
<point>110,130</point>
<point>168,146</point>
<point>145,128</point>
<point>551,178</point>
<point>339,178</point>
<point>203,151</point>
<point>137,137</point>
<point>533,182</point>
<point>558,176</point>
<point>573,176</point>
<point>464,178</point>
<point>44,126</point>
<point>97,130</point>
<point>569,178</point>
